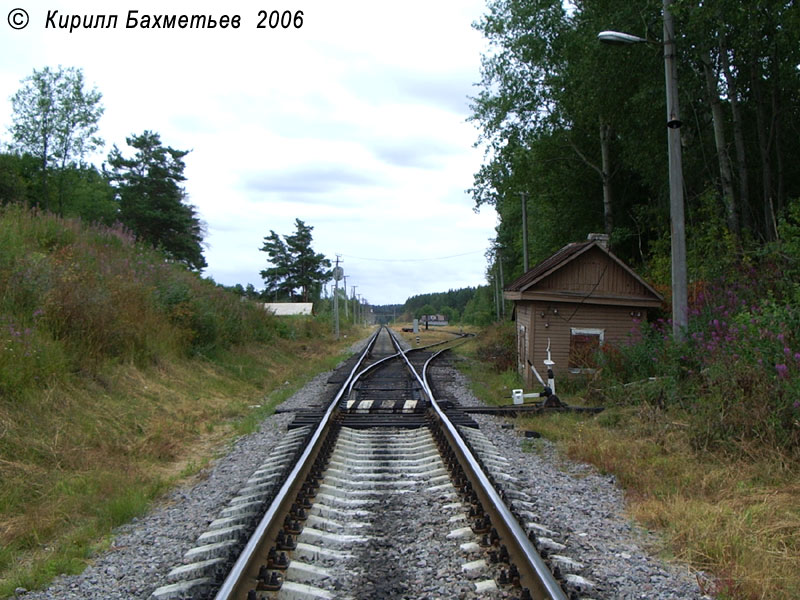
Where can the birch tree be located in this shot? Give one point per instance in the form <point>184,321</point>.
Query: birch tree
<point>55,118</point>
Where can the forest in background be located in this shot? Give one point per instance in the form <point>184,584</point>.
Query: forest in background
<point>580,128</point>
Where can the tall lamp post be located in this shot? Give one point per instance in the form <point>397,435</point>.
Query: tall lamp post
<point>680,306</point>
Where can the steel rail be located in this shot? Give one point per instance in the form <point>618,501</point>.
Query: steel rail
<point>540,580</point>
<point>242,565</point>
<point>392,357</point>
<point>369,368</point>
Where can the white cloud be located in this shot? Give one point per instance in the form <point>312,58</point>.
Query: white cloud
<point>354,123</point>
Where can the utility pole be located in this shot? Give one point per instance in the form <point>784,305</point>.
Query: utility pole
<point>346,316</point>
<point>680,309</point>
<point>338,273</point>
<point>524,196</point>
<point>355,306</point>
<point>497,295</point>
<point>502,284</point>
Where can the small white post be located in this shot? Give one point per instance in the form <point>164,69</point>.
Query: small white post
<point>551,379</point>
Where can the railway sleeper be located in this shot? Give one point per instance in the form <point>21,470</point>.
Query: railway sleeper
<point>334,495</point>
<point>566,570</point>
<point>207,563</point>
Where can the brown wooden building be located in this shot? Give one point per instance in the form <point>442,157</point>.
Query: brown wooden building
<point>580,298</point>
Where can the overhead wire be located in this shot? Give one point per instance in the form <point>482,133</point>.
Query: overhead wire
<point>412,259</point>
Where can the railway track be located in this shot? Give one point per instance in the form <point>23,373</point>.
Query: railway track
<point>328,513</point>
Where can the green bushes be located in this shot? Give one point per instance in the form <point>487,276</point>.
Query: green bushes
<point>28,357</point>
<point>737,373</point>
<point>74,298</point>
<point>498,346</point>
<point>117,369</point>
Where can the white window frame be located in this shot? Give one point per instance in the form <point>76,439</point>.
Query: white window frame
<point>601,333</point>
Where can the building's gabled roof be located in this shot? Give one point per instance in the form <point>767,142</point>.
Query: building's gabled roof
<point>569,253</point>
<point>548,265</point>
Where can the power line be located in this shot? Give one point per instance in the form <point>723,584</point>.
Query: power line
<point>413,259</point>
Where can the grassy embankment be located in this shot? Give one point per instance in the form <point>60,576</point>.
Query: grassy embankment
<point>120,375</point>
<point>723,495</point>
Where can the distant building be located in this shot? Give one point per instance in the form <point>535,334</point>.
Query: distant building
<point>580,298</point>
<point>284,309</point>
<point>434,320</point>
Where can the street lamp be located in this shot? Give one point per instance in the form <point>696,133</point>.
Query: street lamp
<point>680,307</point>
<point>617,38</point>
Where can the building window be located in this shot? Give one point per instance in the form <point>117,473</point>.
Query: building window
<point>583,347</point>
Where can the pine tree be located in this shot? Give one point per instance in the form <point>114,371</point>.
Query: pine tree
<point>152,202</point>
<point>295,265</point>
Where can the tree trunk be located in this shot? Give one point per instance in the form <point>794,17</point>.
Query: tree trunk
<point>43,200</point>
<point>764,145</point>
<point>726,180</point>
<point>496,298</point>
<point>60,191</point>
<point>604,171</point>
<point>776,127</point>
<point>60,194</point>
<point>738,139</point>
<point>605,174</point>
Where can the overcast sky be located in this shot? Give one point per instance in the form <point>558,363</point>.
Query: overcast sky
<point>355,123</point>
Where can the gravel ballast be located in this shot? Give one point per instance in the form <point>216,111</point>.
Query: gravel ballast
<point>584,509</point>
<point>587,512</point>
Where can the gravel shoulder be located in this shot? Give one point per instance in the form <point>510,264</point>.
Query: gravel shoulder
<point>587,510</point>
<point>584,507</point>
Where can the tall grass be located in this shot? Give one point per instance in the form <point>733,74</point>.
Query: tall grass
<point>118,370</point>
<point>738,371</point>
<point>723,497</point>
<point>74,298</point>
<point>705,433</point>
